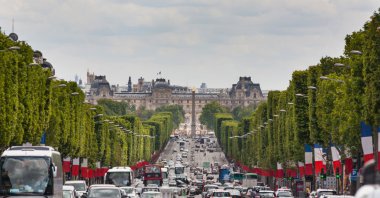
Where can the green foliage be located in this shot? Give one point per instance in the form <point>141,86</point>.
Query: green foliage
<point>177,112</point>
<point>208,113</point>
<point>240,112</point>
<point>114,108</point>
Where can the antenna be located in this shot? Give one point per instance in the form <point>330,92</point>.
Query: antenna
<point>13,35</point>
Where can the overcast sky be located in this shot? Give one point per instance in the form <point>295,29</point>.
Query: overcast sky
<point>189,41</point>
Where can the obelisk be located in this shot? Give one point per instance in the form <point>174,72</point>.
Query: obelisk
<point>193,127</point>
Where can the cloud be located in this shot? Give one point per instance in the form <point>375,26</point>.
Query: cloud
<point>191,41</point>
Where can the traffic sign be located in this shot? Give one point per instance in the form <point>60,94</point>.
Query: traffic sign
<point>354,175</point>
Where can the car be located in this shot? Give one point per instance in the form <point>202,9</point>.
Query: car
<point>79,185</point>
<point>321,192</point>
<point>130,191</point>
<point>174,150</point>
<point>266,193</point>
<point>284,193</point>
<point>151,194</point>
<point>69,192</point>
<point>220,193</point>
<point>207,188</point>
<point>235,193</point>
<point>201,150</point>
<point>104,190</point>
<point>210,177</point>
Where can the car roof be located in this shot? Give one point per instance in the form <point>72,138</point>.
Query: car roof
<point>102,185</point>
<point>65,187</point>
<point>75,182</point>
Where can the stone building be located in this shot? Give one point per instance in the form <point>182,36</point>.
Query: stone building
<point>160,92</point>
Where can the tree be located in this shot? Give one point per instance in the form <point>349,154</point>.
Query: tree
<point>209,111</point>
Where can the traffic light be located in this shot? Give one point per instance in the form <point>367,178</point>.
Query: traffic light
<point>322,174</point>
<point>337,173</point>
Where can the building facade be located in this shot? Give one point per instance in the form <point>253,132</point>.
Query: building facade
<point>160,92</point>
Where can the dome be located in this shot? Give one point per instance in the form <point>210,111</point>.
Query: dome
<point>46,65</point>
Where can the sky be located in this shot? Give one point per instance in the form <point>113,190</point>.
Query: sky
<point>188,41</point>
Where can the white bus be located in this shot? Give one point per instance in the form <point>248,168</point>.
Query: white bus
<point>119,176</point>
<point>250,180</point>
<point>31,171</point>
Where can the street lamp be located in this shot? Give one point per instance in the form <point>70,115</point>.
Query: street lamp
<point>312,87</point>
<point>356,52</point>
<point>14,48</point>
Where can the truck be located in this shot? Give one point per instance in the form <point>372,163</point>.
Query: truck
<point>224,174</point>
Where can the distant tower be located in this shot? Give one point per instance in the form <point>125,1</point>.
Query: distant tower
<point>129,85</point>
<point>193,126</point>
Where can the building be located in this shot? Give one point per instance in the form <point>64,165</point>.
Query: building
<point>160,92</point>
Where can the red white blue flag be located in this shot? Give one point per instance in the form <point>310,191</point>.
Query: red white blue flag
<point>367,144</point>
<point>336,159</point>
<point>318,158</point>
<point>308,160</point>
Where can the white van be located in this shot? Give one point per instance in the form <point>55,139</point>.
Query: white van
<point>31,171</point>
<point>119,176</point>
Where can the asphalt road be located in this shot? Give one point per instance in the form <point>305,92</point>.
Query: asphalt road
<point>198,157</point>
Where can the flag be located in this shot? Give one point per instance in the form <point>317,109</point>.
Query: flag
<point>318,158</point>
<point>66,164</point>
<point>336,159</point>
<point>308,160</point>
<point>301,169</point>
<point>280,171</point>
<point>378,148</point>
<point>75,167</point>
<point>98,170</point>
<point>84,172</point>
<point>348,163</point>
<point>366,137</point>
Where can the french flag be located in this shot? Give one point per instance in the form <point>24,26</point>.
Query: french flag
<point>280,171</point>
<point>318,158</point>
<point>301,169</point>
<point>378,148</point>
<point>366,133</point>
<point>336,158</point>
<point>66,164</point>
<point>308,160</point>
<point>84,172</point>
<point>75,167</point>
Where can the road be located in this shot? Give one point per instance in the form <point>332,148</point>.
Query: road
<point>172,149</point>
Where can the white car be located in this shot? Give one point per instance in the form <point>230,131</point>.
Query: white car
<point>321,192</point>
<point>79,185</point>
<point>130,191</point>
<point>220,193</point>
<point>284,193</point>
<point>69,192</point>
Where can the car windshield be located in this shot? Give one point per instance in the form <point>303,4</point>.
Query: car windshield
<point>103,192</point>
<point>67,194</point>
<point>25,175</point>
<point>128,190</point>
<point>221,194</point>
<point>77,186</point>
<point>118,178</point>
<point>179,170</point>
<point>284,194</point>
<point>326,193</point>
